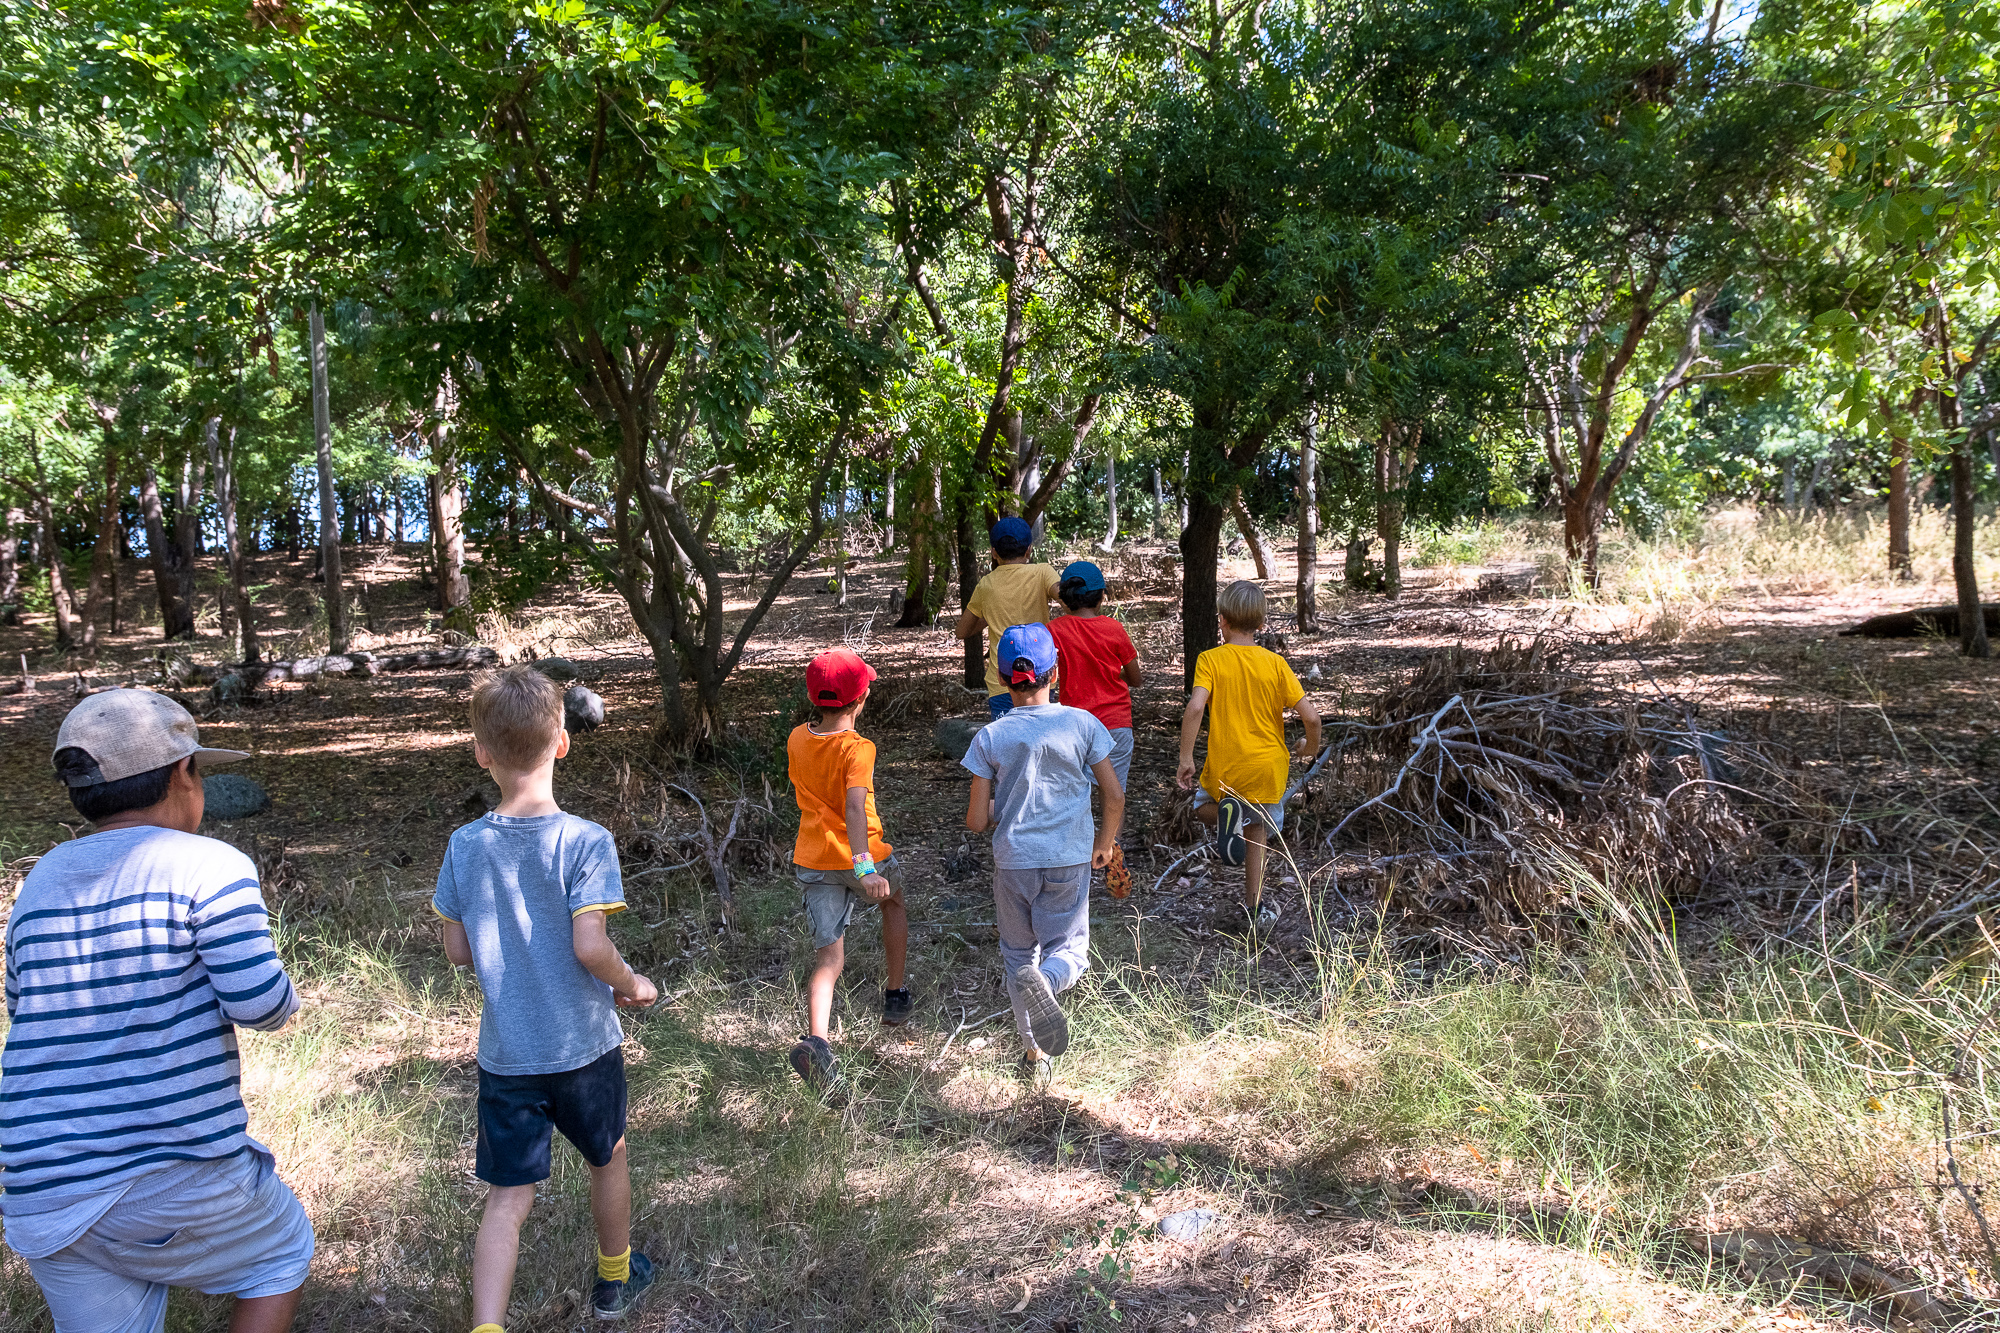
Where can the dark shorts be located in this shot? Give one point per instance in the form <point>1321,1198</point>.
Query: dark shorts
<point>518,1114</point>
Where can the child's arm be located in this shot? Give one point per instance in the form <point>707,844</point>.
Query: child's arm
<point>979,807</point>
<point>1131,674</point>
<point>1310,716</point>
<point>1114,813</point>
<point>600,957</point>
<point>873,887</point>
<point>967,626</point>
<point>1190,729</point>
<point>456,946</point>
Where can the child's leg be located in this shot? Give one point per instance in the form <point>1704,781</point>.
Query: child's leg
<point>1062,925</point>
<point>1014,920</point>
<point>827,963</point>
<point>611,1203</point>
<point>1253,864</point>
<point>895,939</point>
<point>496,1249</point>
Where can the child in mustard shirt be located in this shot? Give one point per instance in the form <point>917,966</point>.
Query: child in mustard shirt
<point>1242,788</point>
<point>1014,593</point>
<point>840,859</point>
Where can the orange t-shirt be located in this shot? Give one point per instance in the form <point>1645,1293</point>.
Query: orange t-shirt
<point>822,769</point>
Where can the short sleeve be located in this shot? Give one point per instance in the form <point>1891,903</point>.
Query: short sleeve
<point>977,760</point>
<point>1098,744</point>
<point>1053,582</point>
<point>976,605</point>
<point>445,901</point>
<point>1204,672</point>
<point>1289,681</point>
<point>859,762</point>
<point>1126,652</point>
<point>594,884</point>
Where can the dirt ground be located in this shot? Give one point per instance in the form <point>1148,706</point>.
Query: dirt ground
<point>368,779</point>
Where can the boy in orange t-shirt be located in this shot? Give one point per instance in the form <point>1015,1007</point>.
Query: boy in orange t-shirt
<point>833,776</point>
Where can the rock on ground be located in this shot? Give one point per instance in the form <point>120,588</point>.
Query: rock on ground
<point>233,796</point>
<point>559,669</point>
<point>583,710</point>
<point>953,736</point>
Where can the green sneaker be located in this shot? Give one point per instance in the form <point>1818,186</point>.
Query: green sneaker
<point>615,1300</point>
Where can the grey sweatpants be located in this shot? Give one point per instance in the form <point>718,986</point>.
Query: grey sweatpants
<point>1043,916</point>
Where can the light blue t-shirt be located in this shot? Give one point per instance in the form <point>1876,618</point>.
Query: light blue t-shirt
<point>1039,759</point>
<point>515,884</point>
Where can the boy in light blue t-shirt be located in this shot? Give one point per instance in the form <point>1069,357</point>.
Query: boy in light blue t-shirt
<point>524,894</point>
<point>1032,771</point>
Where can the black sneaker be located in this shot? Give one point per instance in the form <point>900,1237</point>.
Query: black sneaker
<point>1230,844</point>
<point>1045,1017</point>
<point>813,1062</point>
<point>895,1007</point>
<point>615,1300</point>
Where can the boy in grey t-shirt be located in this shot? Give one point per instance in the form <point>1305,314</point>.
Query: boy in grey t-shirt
<point>524,894</point>
<point>1032,774</point>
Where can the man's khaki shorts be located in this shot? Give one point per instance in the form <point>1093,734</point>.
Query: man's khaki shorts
<point>832,895</point>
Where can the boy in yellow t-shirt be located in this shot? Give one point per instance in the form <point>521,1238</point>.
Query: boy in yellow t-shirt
<point>836,857</point>
<point>1015,593</point>
<point>1242,787</point>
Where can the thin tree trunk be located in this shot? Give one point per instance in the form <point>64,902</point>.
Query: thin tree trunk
<point>968,579</point>
<point>10,567</point>
<point>447,497</point>
<point>1972,640</point>
<point>104,554</point>
<point>329,515</point>
<point>1200,545</point>
<point>840,537</point>
<point>1110,542</point>
<point>1159,501</point>
<point>889,505</point>
<point>1308,495</point>
<point>1389,510</point>
<point>1183,497</point>
<point>1251,537</point>
<point>1899,491</point>
<point>222,462</point>
<point>163,554</point>
<point>920,534</point>
<point>52,552</point>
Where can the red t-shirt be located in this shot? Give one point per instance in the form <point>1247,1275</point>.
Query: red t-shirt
<point>1090,652</point>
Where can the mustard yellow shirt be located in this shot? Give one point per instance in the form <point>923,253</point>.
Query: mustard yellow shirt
<point>1011,595</point>
<point>1249,689</point>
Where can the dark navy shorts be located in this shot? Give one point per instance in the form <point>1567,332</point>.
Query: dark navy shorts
<point>518,1114</point>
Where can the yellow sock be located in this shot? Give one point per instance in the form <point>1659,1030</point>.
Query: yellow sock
<point>489,1328</point>
<point>611,1267</point>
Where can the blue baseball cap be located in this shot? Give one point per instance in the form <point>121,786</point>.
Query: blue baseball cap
<point>1011,533</point>
<point>1082,576</point>
<point>1032,642</point>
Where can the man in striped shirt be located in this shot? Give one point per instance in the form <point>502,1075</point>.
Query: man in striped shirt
<point>133,955</point>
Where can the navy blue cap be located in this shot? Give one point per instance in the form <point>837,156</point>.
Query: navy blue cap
<point>1082,576</point>
<point>1012,532</point>
<point>1031,641</point>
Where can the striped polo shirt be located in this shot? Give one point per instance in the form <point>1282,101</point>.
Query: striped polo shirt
<point>132,957</point>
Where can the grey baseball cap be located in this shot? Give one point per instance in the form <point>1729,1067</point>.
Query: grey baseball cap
<point>128,732</point>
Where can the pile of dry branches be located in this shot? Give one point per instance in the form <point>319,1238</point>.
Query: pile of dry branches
<point>1505,785</point>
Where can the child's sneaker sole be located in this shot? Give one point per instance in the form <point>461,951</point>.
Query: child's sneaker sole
<point>1045,1017</point>
<point>1230,844</point>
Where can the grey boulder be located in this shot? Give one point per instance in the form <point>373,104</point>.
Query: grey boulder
<point>230,688</point>
<point>559,669</point>
<point>953,736</point>
<point>233,796</point>
<point>583,709</point>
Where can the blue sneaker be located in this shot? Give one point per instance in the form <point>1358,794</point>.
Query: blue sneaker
<point>615,1300</point>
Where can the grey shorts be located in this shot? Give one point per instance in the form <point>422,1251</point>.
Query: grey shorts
<point>1121,756</point>
<point>831,897</point>
<point>1270,816</point>
<point>223,1226</point>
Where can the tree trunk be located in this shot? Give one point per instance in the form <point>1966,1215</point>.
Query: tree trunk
<point>163,554</point>
<point>222,462</point>
<point>1159,501</point>
<point>447,502</point>
<point>187,522</point>
<point>59,597</point>
<point>1183,497</point>
<point>920,534</point>
<point>840,536</point>
<point>329,514</point>
<point>1200,546</point>
<point>1899,491</point>
<point>1251,537</point>
<point>104,554</point>
<point>968,579</point>
<point>1110,542</point>
<point>10,567</point>
<point>1389,507</point>
<point>1972,640</point>
<point>1308,496</point>
<point>889,505</point>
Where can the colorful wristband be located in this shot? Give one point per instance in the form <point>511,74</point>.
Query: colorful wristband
<point>864,866</point>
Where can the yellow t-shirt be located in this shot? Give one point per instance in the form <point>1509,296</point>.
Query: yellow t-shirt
<point>1011,595</point>
<point>1249,689</point>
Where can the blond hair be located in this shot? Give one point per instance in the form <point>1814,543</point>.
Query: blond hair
<point>1242,605</point>
<point>517,714</point>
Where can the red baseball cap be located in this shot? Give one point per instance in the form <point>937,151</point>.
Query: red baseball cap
<point>837,678</point>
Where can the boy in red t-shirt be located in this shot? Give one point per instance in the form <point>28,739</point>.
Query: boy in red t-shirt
<point>840,836</point>
<point>1097,668</point>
